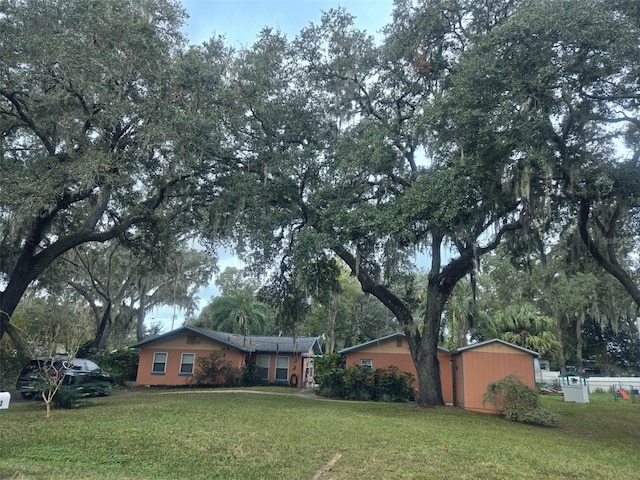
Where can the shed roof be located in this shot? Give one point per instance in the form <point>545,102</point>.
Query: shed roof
<point>457,351</point>
<point>492,341</point>
<point>245,343</point>
<point>378,341</point>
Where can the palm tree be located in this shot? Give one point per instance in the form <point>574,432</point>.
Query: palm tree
<point>522,324</point>
<point>458,315</point>
<point>238,312</point>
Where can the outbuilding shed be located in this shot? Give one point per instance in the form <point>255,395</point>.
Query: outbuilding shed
<point>464,373</point>
<point>477,365</point>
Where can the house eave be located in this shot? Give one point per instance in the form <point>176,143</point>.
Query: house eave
<point>208,334</point>
<point>243,343</point>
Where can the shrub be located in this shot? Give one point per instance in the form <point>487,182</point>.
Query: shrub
<point>358,383</point>
<point>329,373</point>
<point>87,350</point>
<point>250,375</point>
<point>214,370</point>
<point>66,397</point>
<point>362,383</point>
<point>121,364</point>
<point>517,402</point>
<point>391,385</point>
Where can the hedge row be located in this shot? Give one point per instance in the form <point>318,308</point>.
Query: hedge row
<point>362,383</point>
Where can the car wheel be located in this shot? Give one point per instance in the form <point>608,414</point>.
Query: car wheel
<point>27,395</point>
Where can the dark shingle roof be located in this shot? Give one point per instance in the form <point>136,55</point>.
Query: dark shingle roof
<point>371,342</point>
<point>285,344</point>
<point>454,352</point>
<point>248,343</point>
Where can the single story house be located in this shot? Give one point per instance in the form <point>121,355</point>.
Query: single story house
<point>464,373</point>
<point>171,358</point>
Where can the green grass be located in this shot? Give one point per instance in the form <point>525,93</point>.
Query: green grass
<point>217,435</point>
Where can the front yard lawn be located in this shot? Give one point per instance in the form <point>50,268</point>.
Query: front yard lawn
<point>217,435</point>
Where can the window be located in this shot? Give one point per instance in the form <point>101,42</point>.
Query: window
<point>262,367</point>
<point>366,363</point>
<point>282,369</point>
<point>159,363</point>
<point>399,342</point>
<point>75,364</point>
<point>91,366</point>
<point>191,339</point>
<point>186,363</point>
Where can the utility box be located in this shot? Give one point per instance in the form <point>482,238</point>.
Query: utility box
<point>5,398</point>
<point>574,387</point>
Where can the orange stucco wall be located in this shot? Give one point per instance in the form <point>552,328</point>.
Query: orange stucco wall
<point>464,376</point>
<point>446,380</point>
<point>174,348</point>
<point>395,352</point>
<point>296,367</point>
<point>476,368</point>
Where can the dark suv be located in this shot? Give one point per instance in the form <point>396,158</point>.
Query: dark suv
<point>82,374</point>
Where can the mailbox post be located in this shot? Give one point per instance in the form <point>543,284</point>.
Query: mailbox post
<point>5,398</point>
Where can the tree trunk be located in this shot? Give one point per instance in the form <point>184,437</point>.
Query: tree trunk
<point>429,383</point>
<point>579,360</point>
<point>333,316</point>
<point>331,337</point>
<point>18,342</point>
<point>141,310</point>
<point>101,331</point>
<point>29,267</point>
<point>462,331</point>
<point>425,346</point>
<point>4,321</point>
<point>560,333</point>
<point>124,322</point>
<point>604,251</point>
<point>9,300</point>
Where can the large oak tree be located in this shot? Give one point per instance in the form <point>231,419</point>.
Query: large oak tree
<point>334,129</point>
<point>557,84</point>
<point>468,126</point>
<point>107,130</point>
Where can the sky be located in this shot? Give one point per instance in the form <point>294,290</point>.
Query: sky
<point>240,22</point>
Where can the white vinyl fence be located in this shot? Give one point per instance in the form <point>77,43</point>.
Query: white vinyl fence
<point>595,384</point>
<point>606,383</point>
